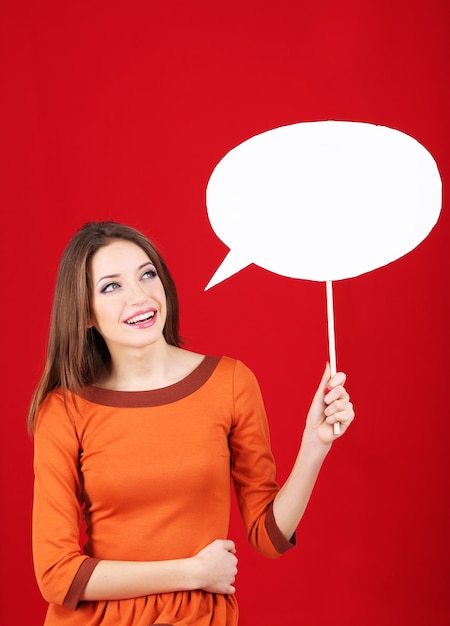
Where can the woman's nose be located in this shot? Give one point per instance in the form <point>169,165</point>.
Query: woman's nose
<point>136,294</point>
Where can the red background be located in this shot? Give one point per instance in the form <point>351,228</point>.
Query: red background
<point>121,110</point>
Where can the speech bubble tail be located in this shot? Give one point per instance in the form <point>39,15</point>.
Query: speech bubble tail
<point>231,264</point>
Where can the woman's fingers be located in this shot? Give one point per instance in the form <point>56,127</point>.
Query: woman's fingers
<point>339,408</point>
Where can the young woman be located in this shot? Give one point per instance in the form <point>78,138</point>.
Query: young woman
<point>141,437</point>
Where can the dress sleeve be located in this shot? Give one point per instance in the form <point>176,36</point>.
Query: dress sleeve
<point>62,571</point>
<point>253,466</point>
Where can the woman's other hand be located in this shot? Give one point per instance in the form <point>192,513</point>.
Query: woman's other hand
<point>218,566</point>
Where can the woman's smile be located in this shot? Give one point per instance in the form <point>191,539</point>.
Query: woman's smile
<point>142,320</point>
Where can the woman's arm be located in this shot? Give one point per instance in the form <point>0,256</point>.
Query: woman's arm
<point>213,569</point>
<point>331,404</point>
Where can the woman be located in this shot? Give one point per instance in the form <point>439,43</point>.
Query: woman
<point>141,437</point>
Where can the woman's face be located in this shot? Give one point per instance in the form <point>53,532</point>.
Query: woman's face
<point>128,302</point>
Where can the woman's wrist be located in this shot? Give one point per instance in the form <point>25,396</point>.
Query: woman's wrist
<point>313,442</point>
<point>196,572</point>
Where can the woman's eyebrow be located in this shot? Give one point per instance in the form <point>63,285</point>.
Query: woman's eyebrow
<point>107,277</point>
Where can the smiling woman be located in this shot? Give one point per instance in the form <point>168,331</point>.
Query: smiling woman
<point>142,437</point>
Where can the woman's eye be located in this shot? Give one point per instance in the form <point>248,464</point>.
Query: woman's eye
<point>150,274</point>
<point>109,287</point>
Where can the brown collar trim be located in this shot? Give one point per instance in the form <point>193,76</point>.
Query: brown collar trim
<point>154,397</point>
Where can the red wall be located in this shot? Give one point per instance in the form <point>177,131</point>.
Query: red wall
<point>121,110</point>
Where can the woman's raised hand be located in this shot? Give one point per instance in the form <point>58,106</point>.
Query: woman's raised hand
<point>330,404</point>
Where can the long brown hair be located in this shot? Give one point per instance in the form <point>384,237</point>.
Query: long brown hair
<point>77,354</point>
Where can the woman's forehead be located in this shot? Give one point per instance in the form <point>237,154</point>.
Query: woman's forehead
<point>119,255</point>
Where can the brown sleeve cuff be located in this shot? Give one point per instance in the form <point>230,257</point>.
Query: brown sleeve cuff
<point>79,582</point>
<point>280,543</point>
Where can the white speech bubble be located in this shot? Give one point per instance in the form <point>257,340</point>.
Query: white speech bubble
<point>322,201</point>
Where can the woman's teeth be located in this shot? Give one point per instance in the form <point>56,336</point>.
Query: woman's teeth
<point>141,318</point>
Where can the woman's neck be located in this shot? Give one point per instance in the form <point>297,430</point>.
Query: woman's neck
<point>158,366</point>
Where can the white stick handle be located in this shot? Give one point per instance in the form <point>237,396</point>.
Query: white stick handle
<point>332,340</point>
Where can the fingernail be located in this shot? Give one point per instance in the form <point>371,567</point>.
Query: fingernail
<point>327,390</point>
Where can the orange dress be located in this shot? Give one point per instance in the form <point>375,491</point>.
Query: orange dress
<point>151,471</point>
